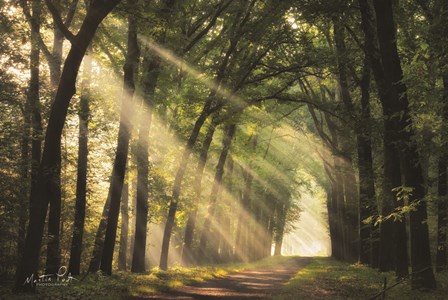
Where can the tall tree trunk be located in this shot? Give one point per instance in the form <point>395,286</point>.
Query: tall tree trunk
<point>391,233</point>
<point>442,216</point>
<point>81,182</point>
<point>151,69</point>
<point>124,135</point>
<point>281,222</point>
<point>24,174</point>
<point>32,118</point>
<point>187,253</point>
<point>207,229</point>
<point>55,224</point>
<point>241,247</point>
<point>368,243</point>
<point>123,252</point>
<point>98,245</point>
<point>411,168</point>
<point>48,186</point>
<point>351,213</point>
<point>227,246</point>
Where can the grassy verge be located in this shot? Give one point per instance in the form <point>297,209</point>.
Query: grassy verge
<point>122,285</point>
<point>325,278</point>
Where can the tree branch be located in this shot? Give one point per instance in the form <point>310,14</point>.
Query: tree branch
<point>71,13</point>
<point>32,23</point>
<point>59,22</point>
<point>212,23</point>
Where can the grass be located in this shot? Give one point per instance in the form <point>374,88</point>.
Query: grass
<point>124,284</point>
<point>322,278</point>
<point>325,278</point>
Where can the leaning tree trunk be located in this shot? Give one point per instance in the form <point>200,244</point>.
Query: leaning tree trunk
<point>124,135</point>
<point>54,217</point>
<point>48,187</point>
<point>81,182</point>
<point>209,107</point>
<point>151,73</point>
<point>187,253</point>
<point>207,229</point>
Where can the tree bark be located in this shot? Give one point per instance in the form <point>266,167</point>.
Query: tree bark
<point>209,107</point>
<point>393,248</point>
<point>187,253</point>
<point>411,168</point>
<point>152,69</point>
<point>81,182</point>
<point>241,245</point>
<point>281,222</point>
<point>442,216</point>
<point>123,252</point>
<point>48,188</point>
<point>124,135</point>
<point>207,229</point>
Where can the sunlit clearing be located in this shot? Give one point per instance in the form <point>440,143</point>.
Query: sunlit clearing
<point>310,236</point>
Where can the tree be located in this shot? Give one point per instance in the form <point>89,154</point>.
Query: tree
<point>411,168</point>
<point>49,169</point>
<point>124,134</point>
<point>81,182</point>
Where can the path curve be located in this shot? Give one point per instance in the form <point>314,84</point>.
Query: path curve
<point>259,283</point>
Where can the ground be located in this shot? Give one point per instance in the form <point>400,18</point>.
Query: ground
<point>277,278</point>
<point>258,283</point>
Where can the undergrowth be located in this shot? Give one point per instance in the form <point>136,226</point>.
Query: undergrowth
<point>325,278</point>
<point>123,285</point>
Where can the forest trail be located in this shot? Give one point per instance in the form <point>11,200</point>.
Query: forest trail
<point>259,283</point>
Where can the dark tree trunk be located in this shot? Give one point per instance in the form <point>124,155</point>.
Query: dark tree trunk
<point>187,253</point>
<point>81,182</point>
<point>123,252</point>
<point>124,135</point>
<point>151,69</point>
<point>442,222</point>
<point>32,118</point>
<point>24,174</point>
<point>98,245</point>
<point>352,215</point>
<point>241,246</point>
<point>55,224</point>
<point>368,243</point>
<point>411,167</point>
<point>207,229</point>
<point>441,216</point>
<point>392,248</point>
<point>58,43</point>
<point>48,187</point>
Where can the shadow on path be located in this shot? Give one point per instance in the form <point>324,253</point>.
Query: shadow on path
<point>260,283</point>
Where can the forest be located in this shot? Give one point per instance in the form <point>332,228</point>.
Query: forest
<point>160,137</point>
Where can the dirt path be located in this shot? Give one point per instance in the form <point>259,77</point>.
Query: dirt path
<point>260,283</point>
